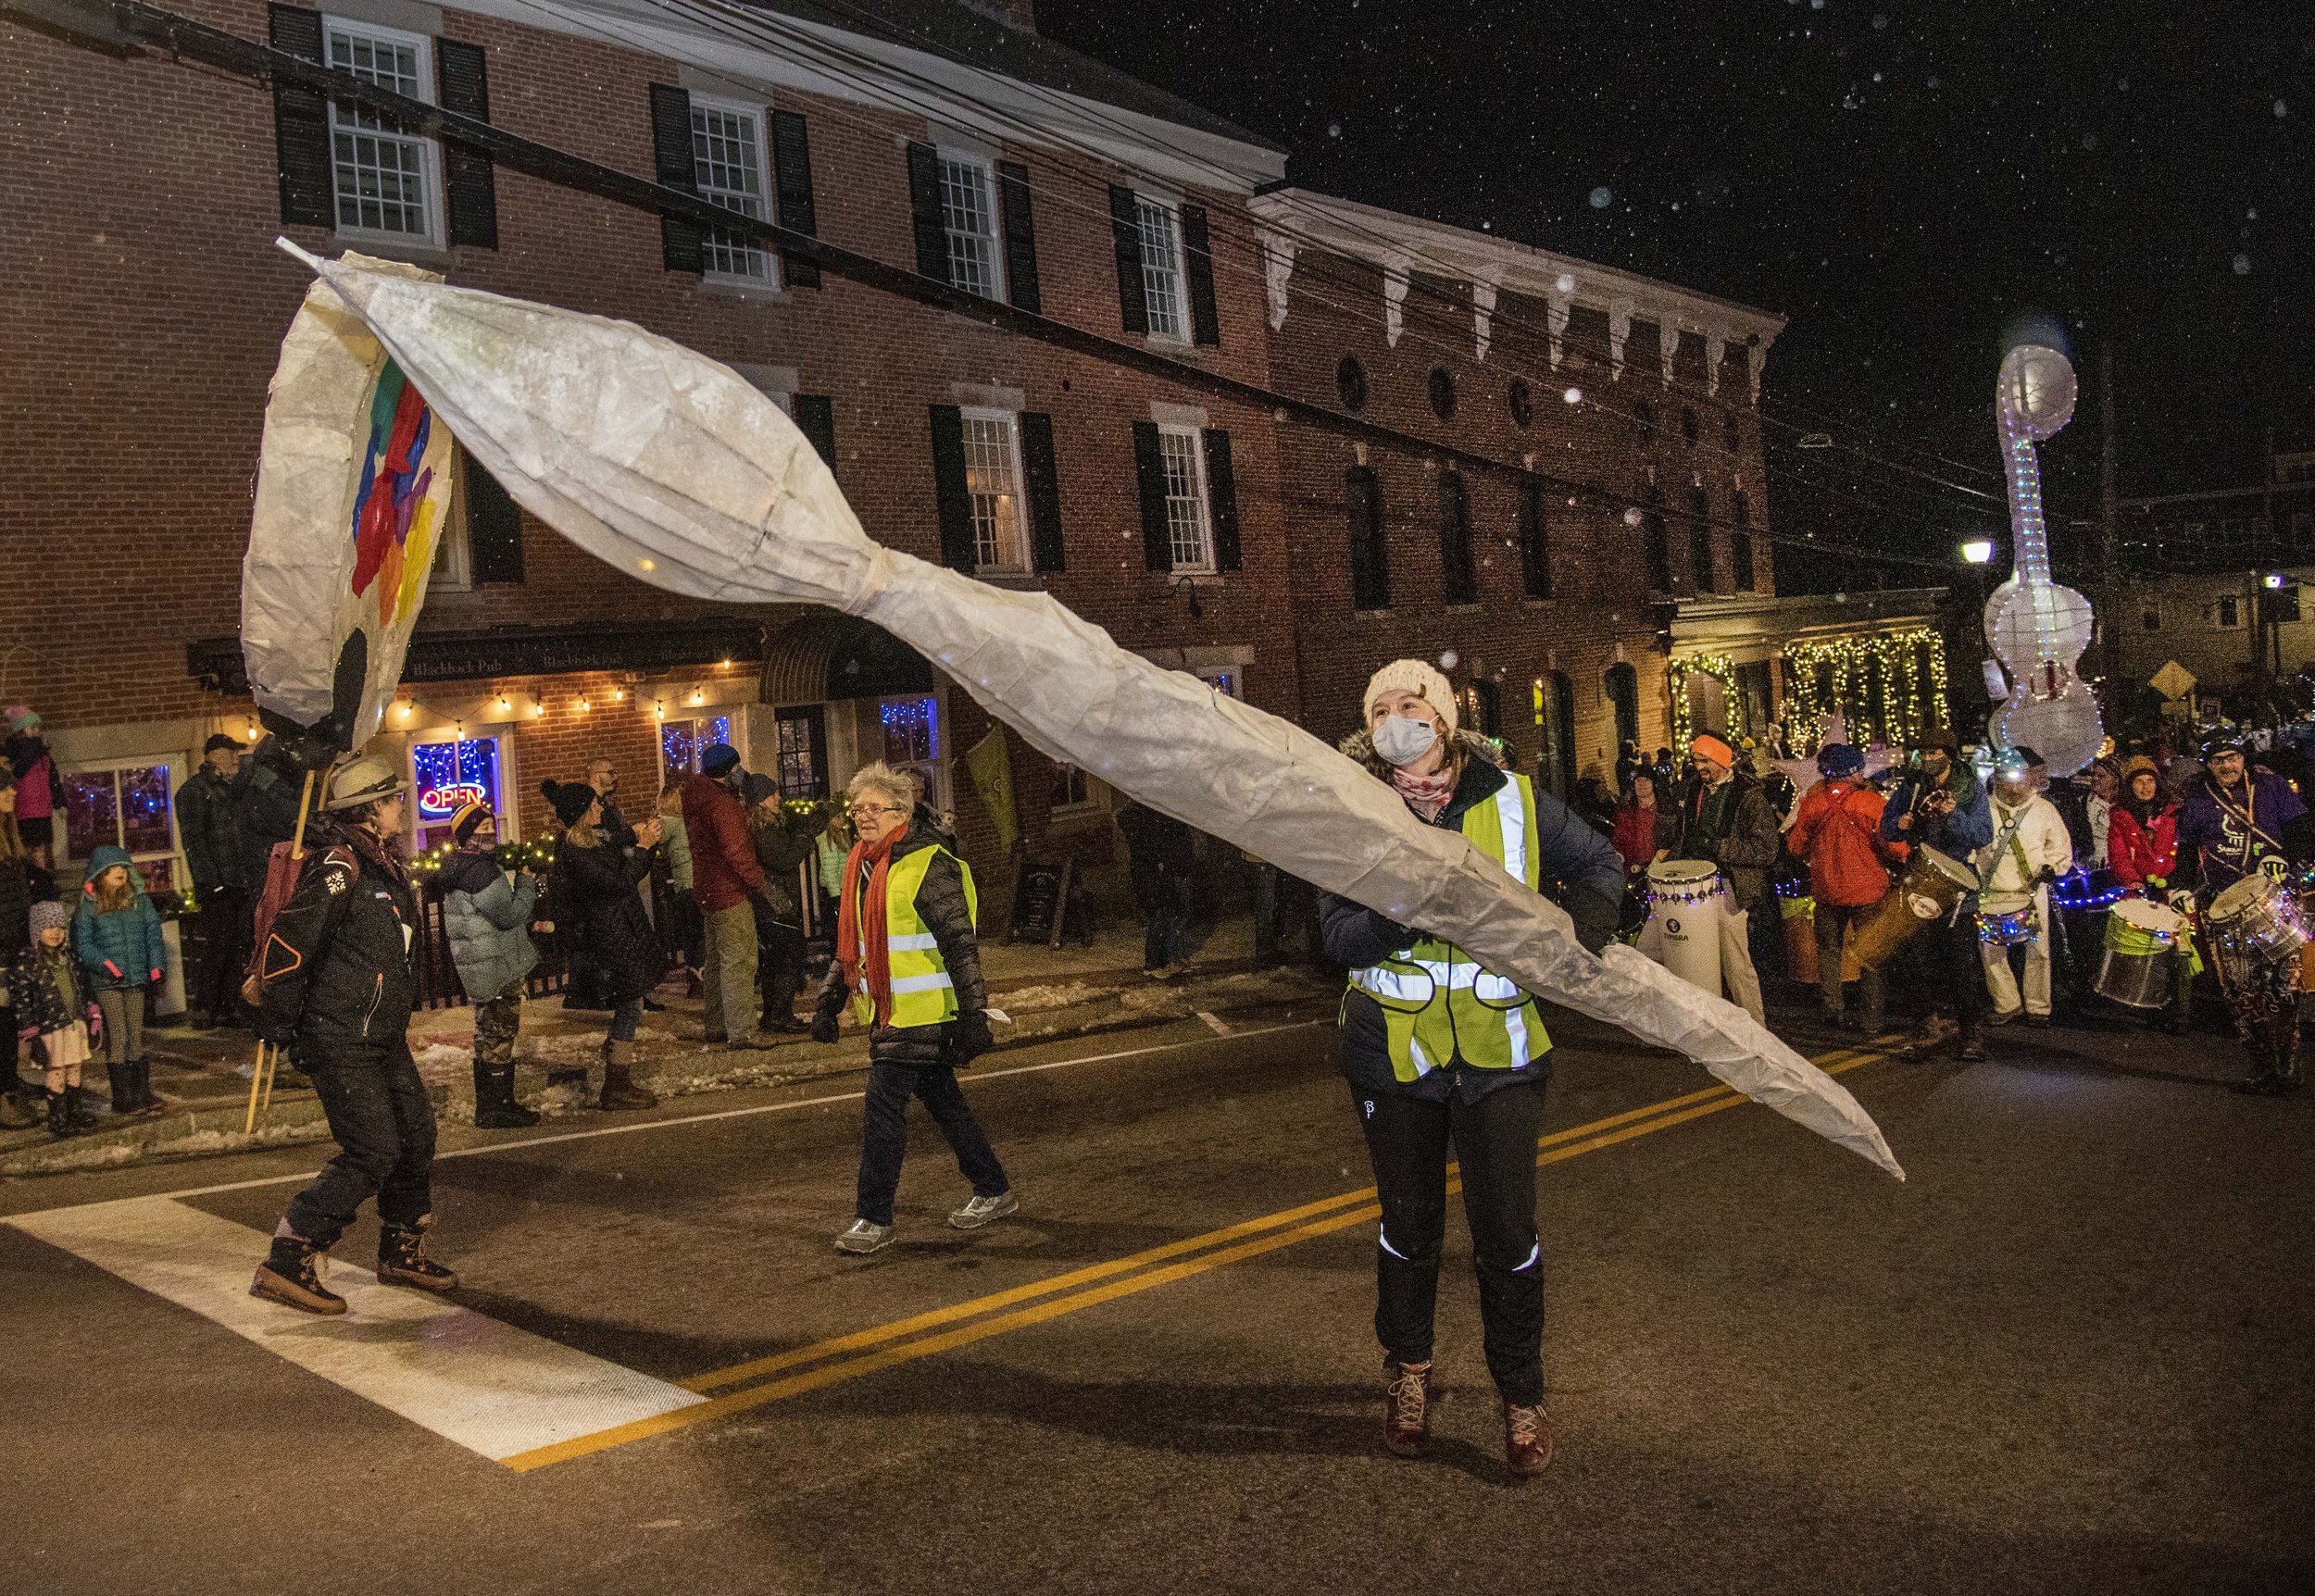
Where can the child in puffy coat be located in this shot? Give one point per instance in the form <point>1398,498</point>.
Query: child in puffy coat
<point>51,1009</point>
<point>117,934</point>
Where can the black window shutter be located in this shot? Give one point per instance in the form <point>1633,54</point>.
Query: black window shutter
<point>1198,256</point>
<point>1458,582</point>
<point>1370,564</point>
<point>1700,539</point>
<point>1044,491</point>
<point>1535,541</point>
<point>301,123</point>
<point>679,240</point>
<point>1149,469</point>
<point>815,416</point>
<point>1125,229</point>
<point>948,485</point>
<point>924,210</point>
<point>1740,545</point>
<point>469,186</point>
<point>1656,542</point>
<point>792,175</point>
<point>1020,238</point>
<point>493,527</point>
<point>1221,493</point>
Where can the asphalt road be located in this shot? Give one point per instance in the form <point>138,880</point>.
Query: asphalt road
<point>2072,1353</point>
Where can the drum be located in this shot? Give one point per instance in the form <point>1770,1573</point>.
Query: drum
<point>1930,890</point>
<point>1800,943</point>
<point>1685,902</point>
<point>2139,966</point>
<point>2257,921</point>
<point>2008,920</point>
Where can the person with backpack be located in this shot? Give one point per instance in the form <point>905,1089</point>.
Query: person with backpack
<point>1837,832</point>
<point>117,937</point>
<point>335,989</point>
<point>598,907</point>
<point>486,910</point>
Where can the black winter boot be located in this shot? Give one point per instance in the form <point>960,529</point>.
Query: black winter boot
<point>401,1264</point>
<point>121,1078</point>
<point>495,1104</point>
<point>62,1121</point>
<point>288,1277</point>
<point>140,1084</point>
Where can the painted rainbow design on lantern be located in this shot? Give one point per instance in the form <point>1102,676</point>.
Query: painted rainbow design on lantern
<point>401,497</point>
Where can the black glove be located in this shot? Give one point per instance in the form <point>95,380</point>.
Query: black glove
<point>828,1014</point>
<point>1388,931</point>
<point>971,1038</point>
<point>824,1027</point>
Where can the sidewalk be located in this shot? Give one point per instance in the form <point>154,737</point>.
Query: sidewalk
<point>1071,991</point>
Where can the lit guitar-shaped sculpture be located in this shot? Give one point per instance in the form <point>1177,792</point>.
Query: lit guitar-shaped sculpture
<point>2038,630</point>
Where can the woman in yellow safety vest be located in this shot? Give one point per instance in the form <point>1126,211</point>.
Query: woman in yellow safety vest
<point>1442,1052</point>
<point>907,961</point>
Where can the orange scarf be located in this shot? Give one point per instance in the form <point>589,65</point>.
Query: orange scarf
<point>864,951</point>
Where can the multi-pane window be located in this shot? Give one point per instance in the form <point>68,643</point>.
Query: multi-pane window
<point>126,806</point>
<point>728,164</point>
<point>1186,521</point>
<point>1071,787</point>
<point>993,484</point>
<point>1161,267</point>
<point>968,212</point>
<point>383,177</point>
<point>680,742</point>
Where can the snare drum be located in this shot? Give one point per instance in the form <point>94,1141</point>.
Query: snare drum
<point>1687,901</point>
<point>2008,920</point>
<point>2257,922</point>
<point>2139,966</point>
<point>1930,889</point>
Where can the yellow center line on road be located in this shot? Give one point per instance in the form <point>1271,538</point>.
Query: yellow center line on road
<point>1286,1228</point>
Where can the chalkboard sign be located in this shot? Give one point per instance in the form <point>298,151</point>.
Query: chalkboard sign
<point>1040,891</point>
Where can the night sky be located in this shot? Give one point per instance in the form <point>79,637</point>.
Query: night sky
<point>1903,182</point>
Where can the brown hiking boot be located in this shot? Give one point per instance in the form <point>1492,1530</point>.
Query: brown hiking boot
<point>1407,1409</point>
<point>400,1262</point>
<point>1937,1030</point>
<point>1526,1440</point>
<point>294,1284</point>
<point>619,1090</point>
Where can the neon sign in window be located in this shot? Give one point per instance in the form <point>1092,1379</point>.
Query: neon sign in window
<point>451,774</point>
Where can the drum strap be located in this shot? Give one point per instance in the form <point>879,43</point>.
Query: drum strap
<point>2247,814</point>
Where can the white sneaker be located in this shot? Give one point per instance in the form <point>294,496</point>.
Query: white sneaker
<point>865,1238</point>
<point>980,1210</point>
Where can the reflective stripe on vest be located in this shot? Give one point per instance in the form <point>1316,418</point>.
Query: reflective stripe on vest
<point>922,991</point>
<point>1438,1003</point>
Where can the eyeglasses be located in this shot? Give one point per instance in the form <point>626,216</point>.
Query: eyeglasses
<point>876,809</point>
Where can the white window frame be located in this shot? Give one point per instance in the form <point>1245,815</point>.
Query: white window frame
<point>509,815</point>
<point>1202,501</point>
<point>735,713</point>
<point>428,150</point>
<point>758,206</point>
<point>179,770</point>
<point>984,171</point>
<point>1173,297</point>
<point>1018,562</point>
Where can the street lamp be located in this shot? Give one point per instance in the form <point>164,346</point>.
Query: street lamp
<point>1978,551</point>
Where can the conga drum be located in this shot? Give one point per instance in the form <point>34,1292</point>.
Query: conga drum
<point>1799,918</point>
<point>1687,901</point>
<point>2140,965</point>
<point>1930,889</point>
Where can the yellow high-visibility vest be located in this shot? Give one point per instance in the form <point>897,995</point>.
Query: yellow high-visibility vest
<point>1437,1001</point>
<point>922,991</point>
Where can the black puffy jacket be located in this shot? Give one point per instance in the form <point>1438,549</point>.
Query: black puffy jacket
<point>337,977</point>
<point>598,907</point>
<point>209,824</point>
<point>941,904</point>
<point>15,908</point>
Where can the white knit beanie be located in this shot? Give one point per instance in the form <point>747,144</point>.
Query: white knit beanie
<point>1416,677</point>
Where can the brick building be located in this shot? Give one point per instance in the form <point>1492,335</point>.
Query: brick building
<point>145,303</point>
<point>1624,413</point>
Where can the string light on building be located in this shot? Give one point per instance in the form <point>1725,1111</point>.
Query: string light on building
<point>1720,668</point>
<point>1877,682</point>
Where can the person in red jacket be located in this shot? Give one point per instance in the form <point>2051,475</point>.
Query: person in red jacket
<point>726,881</point>
<point>2142,836</point>
<point>1645,830</point>
<point>1837,830</point>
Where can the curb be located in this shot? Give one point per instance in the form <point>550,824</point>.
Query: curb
<point>685,1068</point>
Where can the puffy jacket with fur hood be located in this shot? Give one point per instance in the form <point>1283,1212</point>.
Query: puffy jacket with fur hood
<point>124,948</point>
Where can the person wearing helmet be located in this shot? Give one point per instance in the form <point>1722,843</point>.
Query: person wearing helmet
<point>2030,849</point>
<point>336,990</point>
<point>2237,822</point>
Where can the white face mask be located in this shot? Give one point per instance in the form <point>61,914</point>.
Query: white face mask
<point>1402,741</point>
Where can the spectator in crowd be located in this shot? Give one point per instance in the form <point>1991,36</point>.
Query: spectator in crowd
<point>1627,761</point>
<point>727,880</point>
<point>1594,806</point>
<point>2030,849</point>
<point>486,910</point>
<point>1941,804</point>
<point>603,776</point>
<point>1644,830</point>
<point>831,845</point>
<point>1837,832</point>
<point>39,790</point>
<point>2141,851</point>
<point>1282,902</point>
<point>679,925</point>
<point>1161,861</point>
<point>780,851</point>
<point>2103,785</point>
<point>908,962</point>
<point>51,1007</point>
<point>1726,820</point>
<point>18,1110</point>
<point>117,936</point>
<point>208,826</point>
<point>336,990</point>
<point>598,907</point>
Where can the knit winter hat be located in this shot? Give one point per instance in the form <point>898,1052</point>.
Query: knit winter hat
<point>1840,759</point>
<point>1936,736</point>
<point>569,800</point>
<point>2137,765</point>
<point>21,719</point>
<point>1716,749</point>
<point>470,816</point>
<point>758,787</point>
<point>49,916</point>
<point>1415,676</point>
<point>716,758</point>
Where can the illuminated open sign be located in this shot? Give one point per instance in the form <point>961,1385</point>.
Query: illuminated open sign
<point>451,774</point>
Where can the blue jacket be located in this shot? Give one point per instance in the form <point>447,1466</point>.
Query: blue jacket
<point>489,921</point>
<point>1968,827</point>
<point>124,948</point>
<point>2217,849</point>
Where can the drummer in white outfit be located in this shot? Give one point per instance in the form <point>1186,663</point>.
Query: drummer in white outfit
<point>2029,850</point>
